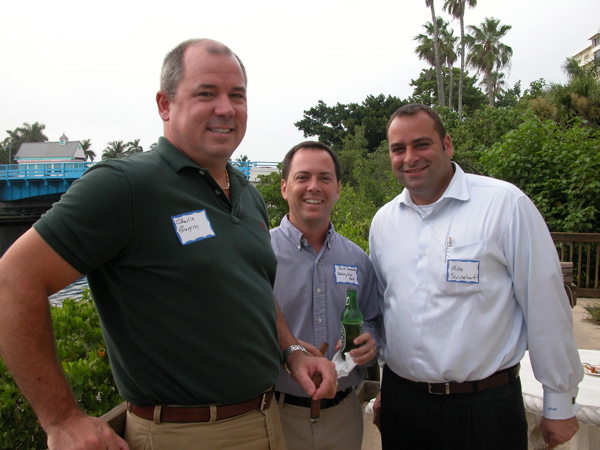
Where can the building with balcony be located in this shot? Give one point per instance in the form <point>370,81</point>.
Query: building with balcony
<point>590,53</point>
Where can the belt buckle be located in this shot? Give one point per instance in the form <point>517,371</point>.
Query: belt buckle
<point>439,393</point>
<point>263,400</point>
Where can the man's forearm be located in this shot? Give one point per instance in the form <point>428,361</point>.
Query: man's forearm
<point>28,349</point>
<point>286,337</point>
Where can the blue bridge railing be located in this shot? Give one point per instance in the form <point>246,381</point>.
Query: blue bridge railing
<point>246,166</point>
<point>14,172</point>
<point>19,181</point>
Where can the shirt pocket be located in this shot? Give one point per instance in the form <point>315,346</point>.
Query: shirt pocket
<point>463,270</point>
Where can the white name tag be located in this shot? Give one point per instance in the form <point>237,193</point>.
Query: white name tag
<point>346,274</point>
<point>192,226</point>
<point>462,271</point>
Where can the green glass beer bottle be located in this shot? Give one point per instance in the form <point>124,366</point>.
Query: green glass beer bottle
<point>352,322</point>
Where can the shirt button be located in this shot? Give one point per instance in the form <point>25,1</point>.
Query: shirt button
<point>200,172</point>
<point>217,192</point>
<point>319,320</point>
<point>420,288</point>
<point>424,254</point>
<point>299,247</point>
<point>318,290</point>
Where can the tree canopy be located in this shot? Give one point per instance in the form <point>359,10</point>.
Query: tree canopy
<point>27,133</point>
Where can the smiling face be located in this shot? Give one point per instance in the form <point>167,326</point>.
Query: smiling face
<point>311,188</point>
<point>207,117</point>
<point>420,158</point>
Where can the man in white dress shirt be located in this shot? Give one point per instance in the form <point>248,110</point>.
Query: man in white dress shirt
<point>469,279</point>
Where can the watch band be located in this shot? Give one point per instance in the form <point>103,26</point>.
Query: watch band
<point>288,351</point>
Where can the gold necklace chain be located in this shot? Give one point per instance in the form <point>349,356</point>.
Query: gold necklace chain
<point>228,184</point>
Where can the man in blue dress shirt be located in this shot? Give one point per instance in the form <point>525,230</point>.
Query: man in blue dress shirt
<point>315,267</point>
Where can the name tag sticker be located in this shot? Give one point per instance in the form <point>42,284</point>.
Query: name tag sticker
<point>192,226</point>
<point>462,271</point>
<point>346,274</point>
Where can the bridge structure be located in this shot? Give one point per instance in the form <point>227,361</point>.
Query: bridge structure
<point>27,181</point>
<point>41,181</point>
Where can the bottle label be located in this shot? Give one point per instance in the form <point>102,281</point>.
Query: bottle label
<point>348,333</point>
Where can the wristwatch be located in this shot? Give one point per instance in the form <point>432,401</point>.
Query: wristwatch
<point>288,351</point>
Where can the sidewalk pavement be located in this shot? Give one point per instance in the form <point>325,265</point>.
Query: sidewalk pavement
<point>587,336</point>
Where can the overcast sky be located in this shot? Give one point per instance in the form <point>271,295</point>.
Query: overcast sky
<point>91,70</point>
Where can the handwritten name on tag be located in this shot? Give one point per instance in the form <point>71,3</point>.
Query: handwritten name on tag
<point>462,271</point>
<point>346,274</point>
<point>192,226</point>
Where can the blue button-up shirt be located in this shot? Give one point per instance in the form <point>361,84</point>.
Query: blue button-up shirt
<point>311,291</point>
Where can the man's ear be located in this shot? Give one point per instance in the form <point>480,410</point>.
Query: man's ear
<point>283,189</point>
<point>164,105</point>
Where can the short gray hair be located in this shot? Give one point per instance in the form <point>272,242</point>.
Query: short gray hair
<point>173,67</point>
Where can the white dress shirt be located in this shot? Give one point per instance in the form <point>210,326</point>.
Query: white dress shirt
<point>468,284</point>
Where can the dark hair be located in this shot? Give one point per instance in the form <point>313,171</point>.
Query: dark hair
<point>412,109</point>
<point>173,67</point>
<point>287,160</point>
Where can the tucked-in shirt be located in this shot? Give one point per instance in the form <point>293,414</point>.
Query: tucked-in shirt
<point>469,285</point>
<point>311,290</point>
<point>181,275</point>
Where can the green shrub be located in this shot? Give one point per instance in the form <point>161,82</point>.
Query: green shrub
<point>82,352</point>
<point>593,310</point>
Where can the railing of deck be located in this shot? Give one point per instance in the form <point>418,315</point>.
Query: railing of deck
<point>583,250</point>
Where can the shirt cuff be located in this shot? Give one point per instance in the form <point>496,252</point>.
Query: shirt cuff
<point>560,405</point>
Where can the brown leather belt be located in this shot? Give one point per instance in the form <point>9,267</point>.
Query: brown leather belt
<point>188,414</point>
<point>470,387</point>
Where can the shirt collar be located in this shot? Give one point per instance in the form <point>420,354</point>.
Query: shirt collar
<point>295,235</point>
<point>177,160</point>
<point>457,189</point>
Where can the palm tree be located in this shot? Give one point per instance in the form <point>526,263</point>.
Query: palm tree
<point>26,133</point>
<point>447,45</point>
<point>487,53</point>
<point>447,41</point>
<point>498,83</point>
<point>457,9</point>
<point>134,147</point>
<point>114,149</point>
<point>89,154</point>
<point>579,97</point>
<point>32,133</point>
<point>438,60</point>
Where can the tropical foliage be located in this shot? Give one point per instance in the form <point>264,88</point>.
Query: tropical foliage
<point>556,167</point>
<point>487,54</point>
<point>118,149</point>
<point>425,90</point>
<point>446,48</point>
<point>82,352</point>
<point>89,153</point>
<point>437,53</point>
<point>578,98</point>
<point>332,124</point>
<point>457,9</point>
<point>27,133</point>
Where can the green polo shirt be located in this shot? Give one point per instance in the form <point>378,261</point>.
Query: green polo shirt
<point>181,276</point>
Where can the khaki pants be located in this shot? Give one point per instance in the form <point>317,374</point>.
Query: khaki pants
<point>260,430</point>
<point>338,427</point>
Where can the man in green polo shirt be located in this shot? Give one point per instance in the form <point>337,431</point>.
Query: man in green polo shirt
<point>175,245</point>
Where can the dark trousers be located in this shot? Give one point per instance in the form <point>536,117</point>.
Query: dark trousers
<point>411,418</point>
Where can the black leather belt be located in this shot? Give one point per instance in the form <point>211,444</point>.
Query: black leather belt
<point>305,401</point>
<point>470,387</point>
